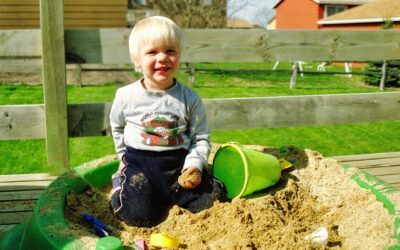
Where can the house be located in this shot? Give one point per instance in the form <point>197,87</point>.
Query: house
<point>368,16</point>
<point>305,14</point>
<point>271,25</point>
<point>25,14</point>
<point>236,23</point>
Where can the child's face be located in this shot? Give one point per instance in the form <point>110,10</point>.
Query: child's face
<point>159,65</point>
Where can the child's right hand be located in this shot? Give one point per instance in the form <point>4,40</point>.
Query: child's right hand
<point>190,178</point>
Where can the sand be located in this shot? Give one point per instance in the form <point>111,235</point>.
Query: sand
<point>314,193</point>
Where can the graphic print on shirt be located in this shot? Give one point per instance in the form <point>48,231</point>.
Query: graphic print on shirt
<point>160,129</point>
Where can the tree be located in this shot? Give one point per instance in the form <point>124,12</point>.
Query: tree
<point>193,13</point>
<point>257,13</point>
<point>388,72</point>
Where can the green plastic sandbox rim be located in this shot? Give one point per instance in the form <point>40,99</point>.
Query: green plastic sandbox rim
<point>380,189</point>
<point>47,228</point>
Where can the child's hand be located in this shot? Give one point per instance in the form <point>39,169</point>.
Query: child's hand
<point>190,178</point>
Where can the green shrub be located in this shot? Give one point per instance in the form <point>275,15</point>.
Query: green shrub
<point>373,73</point>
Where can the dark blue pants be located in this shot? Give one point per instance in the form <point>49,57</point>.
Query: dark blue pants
<point>149,187</point>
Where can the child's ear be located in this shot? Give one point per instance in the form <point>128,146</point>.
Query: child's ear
<point>138,67</point>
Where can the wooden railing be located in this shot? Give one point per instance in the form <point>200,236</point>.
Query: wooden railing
<point>110,46</point>
<point>28,121</point>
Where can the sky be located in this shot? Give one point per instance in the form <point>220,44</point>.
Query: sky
<point>254,11</point>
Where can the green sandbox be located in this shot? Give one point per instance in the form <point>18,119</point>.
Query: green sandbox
<point>381,190</point>
<point>48,229</point>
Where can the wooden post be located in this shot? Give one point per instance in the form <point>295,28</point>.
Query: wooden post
<point>294,75</point>
<point>54,76</point>
<point>383,78</point>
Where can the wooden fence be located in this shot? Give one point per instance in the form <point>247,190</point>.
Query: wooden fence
<point>110,46</point>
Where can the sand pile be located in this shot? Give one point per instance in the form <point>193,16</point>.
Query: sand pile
<point>315,192</point>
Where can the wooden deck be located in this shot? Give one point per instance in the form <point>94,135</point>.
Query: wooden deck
<point>18,193</point>
<point>385,166</point>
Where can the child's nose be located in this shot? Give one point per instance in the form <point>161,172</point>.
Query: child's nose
<point>162,56</point>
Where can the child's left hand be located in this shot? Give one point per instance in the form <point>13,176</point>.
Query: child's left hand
<point>190,178</point>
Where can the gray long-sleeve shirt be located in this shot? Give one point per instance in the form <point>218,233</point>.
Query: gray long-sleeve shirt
<point>159,121</point>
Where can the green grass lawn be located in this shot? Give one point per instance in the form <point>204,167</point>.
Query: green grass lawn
<point>29,156</point>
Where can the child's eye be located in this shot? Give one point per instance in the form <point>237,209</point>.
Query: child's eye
<point>171,51</point>
<point>151,52</point>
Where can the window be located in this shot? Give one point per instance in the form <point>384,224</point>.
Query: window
<point>333,9</point>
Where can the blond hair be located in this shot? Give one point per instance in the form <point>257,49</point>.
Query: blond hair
<point>157,30</point>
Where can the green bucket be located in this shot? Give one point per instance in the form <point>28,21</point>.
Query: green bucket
<point>244,171</point>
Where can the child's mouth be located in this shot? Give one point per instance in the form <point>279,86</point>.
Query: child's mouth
<point>162,69</point>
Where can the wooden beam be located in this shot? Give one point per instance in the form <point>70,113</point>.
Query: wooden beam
<point>389,163</point>
<point>14,43</point>
<point>54,84</point>
<point>290,45</point>
<point>20,195</point>
<point>385,166</point>
<point>222,45</point>
<point>14,120</point>
<point>90,119</point>
<point>19,182</point>
<point>269,112</point>
<point>26,185</point>
<point>96,47</point>
<point>15,217</point>
<point>110,46</point>
<point>366,157</point>
<point>385,171</point>
<point>11,178</point>
<point>15,206</point>
<point>230,113</point>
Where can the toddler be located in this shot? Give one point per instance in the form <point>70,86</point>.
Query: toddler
<point>160,132</point>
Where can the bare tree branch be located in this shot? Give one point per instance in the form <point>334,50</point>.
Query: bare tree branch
<point>193,13</point>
